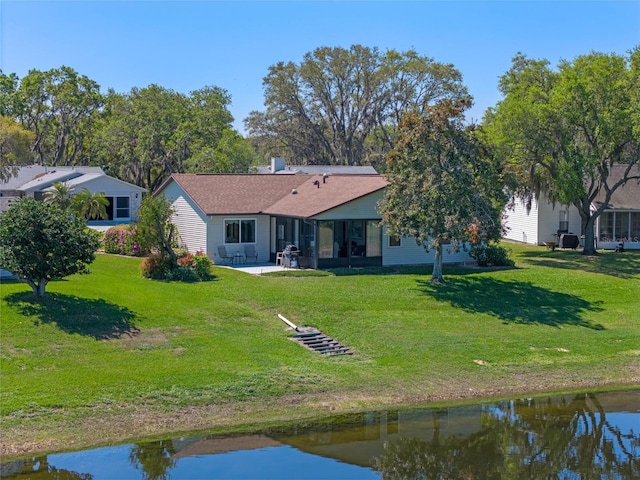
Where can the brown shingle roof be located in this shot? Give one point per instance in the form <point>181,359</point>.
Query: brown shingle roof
<point>626,197</point>
<point>313,199</point>
<point>250,194</point>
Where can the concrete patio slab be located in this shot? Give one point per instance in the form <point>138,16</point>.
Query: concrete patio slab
<point>255,268</point>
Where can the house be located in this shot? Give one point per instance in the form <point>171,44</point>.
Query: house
<point>35,181</point>
<point>545,221</point>
<point>333,220</point>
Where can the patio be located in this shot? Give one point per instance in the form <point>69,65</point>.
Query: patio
<point>255,268</point>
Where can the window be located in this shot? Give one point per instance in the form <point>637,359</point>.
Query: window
<point>374,238</point>
<point>240,231</point>
<point>563,225</point>
<point>247,231</point>
<point>325,238</point>
<point>394,241</point>
<point>622,226</point>
<point>606,227</point>
<point>634,234</point>
<point>122,207</point>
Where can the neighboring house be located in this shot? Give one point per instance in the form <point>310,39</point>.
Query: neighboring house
<point>35,181</point>
<point>545,222</point>
<point>278,166</point>
<point>332,219</point>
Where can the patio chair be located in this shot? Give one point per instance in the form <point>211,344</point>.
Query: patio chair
<point>250,252</point>
<point>224,256</point>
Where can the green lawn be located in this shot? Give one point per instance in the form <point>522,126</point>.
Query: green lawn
<point>114,342</point>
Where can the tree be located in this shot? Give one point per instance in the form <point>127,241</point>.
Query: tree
<point>15,147</point>
<point>444,188</point>
<point>152,132</point>
<point>232,154</point>
<point>342,106</point>
<point>59,106</point>
<point>41,242</point>
<point>154,459</point>
<point>561,132</point>
<point>60,195</point>
<point>155,232</point>
<point>90,205</point>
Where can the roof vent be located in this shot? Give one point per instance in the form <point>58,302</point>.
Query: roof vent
<point>294,191</point>
<point>324,177</point>
<point>316,183</point>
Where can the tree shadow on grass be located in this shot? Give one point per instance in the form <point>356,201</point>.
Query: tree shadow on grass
<point>95,318</point>
<point>513,302</point>
<point>621,265</point>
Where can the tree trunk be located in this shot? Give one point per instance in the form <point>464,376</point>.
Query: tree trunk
<point>37,286</point>
<point>436,276</point>
<point>589,237</point>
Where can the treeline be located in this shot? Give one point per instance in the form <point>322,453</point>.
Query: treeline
<point>558,130</point>
<point>60,118</point>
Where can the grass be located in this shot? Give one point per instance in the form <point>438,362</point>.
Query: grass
<point>110,355</point>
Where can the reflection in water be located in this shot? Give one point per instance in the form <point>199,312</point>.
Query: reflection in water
<point>524,439</point>
<point>38,468</point>
<point>582,436</point>
<point>153,458</point>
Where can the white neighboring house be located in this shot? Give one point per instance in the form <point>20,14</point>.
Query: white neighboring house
<point>544,222</point>
<point>35,181</point>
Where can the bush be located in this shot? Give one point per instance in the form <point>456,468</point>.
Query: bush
<point>189,268</point>
<point>156,267</point>
<point>491,255</point>
<point>182,274</point>
<point>199,264</point>
<point>121,240</point>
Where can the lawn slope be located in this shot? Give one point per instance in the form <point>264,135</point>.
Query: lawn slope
<point>110,355</point>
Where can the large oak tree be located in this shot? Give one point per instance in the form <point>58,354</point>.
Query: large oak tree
<point>561,131</point>
<point>150,133</point>
<point>59,106</point>
<point>342,106</point>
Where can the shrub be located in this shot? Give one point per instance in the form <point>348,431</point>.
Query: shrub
<point>202,267</point>
<point>491,255</point>
<point>121,240</point>
<point>199,264</point>
<point>189,268</point>
<point>182,274</point>
<point>156,267</point>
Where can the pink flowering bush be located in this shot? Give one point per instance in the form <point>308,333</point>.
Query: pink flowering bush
<point>187,268</point>
<point>199,264</point>
<point>121,240</point>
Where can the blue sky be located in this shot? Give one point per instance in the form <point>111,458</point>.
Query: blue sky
<point>186,45</point>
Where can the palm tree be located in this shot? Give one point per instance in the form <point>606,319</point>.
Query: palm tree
<point>91,205</point>
<point>60,195</point>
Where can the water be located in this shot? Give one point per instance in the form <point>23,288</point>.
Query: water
<point>574,436</point>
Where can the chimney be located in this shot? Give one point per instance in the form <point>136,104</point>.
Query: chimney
<point>277,164</point>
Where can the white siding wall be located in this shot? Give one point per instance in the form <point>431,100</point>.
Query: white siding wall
<point>115,188</point>
<point>191,222</point>
<point>522,225</point>
<point>215,237</point>
<point>408,253</point>
<point>549,221</point>
<point>362,208</point>
<point>541,223</point>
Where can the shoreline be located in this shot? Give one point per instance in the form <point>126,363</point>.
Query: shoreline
<point>94,427</point>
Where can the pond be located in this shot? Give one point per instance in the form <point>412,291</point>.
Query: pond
<point>571,436</point>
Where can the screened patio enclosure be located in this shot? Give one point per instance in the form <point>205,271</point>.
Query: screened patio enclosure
<point>329,243</point>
